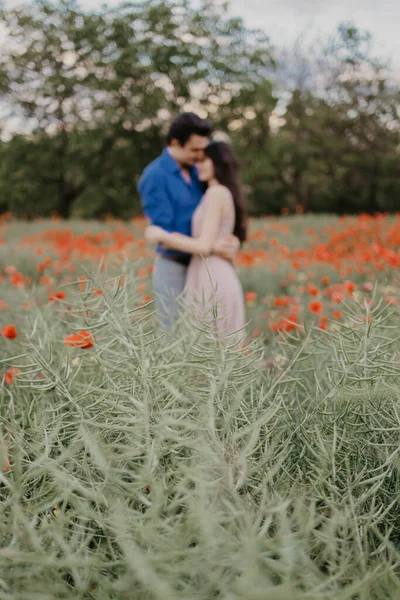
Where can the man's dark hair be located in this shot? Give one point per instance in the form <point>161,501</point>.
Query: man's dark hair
<point>187,124</point>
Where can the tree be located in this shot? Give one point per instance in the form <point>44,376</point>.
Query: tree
<point>248,117</point>
<point>94,93</point>
<point>340,139</point>
<point>369,103</point>
<point>90,83</point>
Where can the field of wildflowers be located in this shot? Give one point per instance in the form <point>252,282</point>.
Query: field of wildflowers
<point>141,465</point>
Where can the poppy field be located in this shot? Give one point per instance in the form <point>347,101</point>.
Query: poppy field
<point>139,464</point>
<point>291,268</point>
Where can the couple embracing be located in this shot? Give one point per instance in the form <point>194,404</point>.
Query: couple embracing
<point>192,197</point>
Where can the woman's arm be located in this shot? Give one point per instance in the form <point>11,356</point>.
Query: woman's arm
<point>213,211</point>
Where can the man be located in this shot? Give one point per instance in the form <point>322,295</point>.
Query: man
<point>170,191</point>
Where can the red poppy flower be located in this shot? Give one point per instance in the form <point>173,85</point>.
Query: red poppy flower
<point>10,373</point>
<point>9,332</point>
<point>17,279</point>
<point>323,324</point>
<point>57,296</point>
<point>83,339</point>
<point>251,296</point>
<point>337,297</point>
<point>145,300</point>
<point>315,307</point>
<point>287,324</point>
<point>350,286</point>
<point>337,314</point>
<point>246,259</point>
<point>43,265</point>
<point>312,290</point>
<point>281,301</point>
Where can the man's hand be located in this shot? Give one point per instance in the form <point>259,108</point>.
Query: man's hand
<point>227,248</point>
<point>154,234</point>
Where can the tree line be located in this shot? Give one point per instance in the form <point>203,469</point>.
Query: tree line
<point>86,98</point>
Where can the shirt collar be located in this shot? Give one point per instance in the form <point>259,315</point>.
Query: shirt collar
<point>174,167</point>
<point>169,162</point>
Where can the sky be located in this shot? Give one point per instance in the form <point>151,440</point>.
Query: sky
<point>285,20</point>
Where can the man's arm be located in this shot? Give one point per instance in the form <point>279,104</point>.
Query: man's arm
<point>204,243</point>
<point>155,201</point>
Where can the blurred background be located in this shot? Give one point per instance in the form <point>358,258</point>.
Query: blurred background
<point>308,93</point>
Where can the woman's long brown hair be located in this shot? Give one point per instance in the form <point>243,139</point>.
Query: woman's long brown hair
<point>227,173</point>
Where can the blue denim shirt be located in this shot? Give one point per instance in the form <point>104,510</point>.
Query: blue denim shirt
<point>167,199</point>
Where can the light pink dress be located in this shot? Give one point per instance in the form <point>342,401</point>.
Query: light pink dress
<point>212,284</point>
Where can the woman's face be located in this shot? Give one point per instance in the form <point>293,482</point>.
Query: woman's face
<point>205,169</point>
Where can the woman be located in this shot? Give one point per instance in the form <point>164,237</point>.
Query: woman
<point>212,283</point>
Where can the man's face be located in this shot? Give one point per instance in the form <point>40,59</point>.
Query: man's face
<point>192,151</point>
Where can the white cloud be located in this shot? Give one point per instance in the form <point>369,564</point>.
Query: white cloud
<point>284,20</point>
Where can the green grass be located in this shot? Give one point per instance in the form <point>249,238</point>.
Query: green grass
<point>172,467</point>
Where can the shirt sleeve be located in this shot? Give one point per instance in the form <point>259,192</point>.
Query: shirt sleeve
<point>156,204</point>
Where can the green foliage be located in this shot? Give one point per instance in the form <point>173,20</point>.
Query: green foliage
<point>96,91</point>
<point>184,468</point>
<point>102,83</point>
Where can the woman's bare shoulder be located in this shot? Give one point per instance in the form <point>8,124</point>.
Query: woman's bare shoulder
<point>219,189</point>
<point>219,193</point>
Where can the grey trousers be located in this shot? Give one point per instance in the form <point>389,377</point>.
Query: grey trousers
<point>168,284</point>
